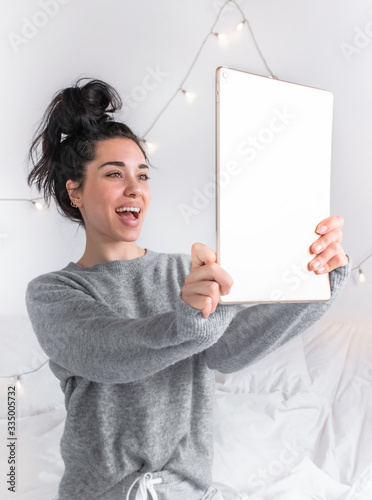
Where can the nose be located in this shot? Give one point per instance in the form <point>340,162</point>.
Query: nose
<point>132,187</point>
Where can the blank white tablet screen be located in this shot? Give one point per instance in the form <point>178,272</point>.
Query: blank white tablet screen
<point>273,169</point>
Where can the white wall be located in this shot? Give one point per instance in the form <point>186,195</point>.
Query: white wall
<point>116,41</point>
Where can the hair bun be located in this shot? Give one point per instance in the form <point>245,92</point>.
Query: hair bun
<point>84,108</point>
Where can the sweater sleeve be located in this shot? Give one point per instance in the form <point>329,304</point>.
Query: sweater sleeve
<point>88,338</point>
<point>260,329</point>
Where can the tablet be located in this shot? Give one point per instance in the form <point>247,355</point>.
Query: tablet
<point>273,169</point>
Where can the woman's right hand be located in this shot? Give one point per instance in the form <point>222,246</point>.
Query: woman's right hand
<point>206,281</point>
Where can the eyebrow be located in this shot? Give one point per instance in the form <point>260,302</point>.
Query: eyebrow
<point>122,164</point>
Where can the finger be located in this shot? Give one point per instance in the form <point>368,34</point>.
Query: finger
<point>195,293</point>
<point>201,302</point>
<point>201,255</point>
<point>206,311</point>
<point>329,223</point>
<point>321,243</point>
<point>323,258</point>
<point>212,272</point>
<point>338,260</point>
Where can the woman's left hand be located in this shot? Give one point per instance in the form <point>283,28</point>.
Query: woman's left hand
<point>331,254</point>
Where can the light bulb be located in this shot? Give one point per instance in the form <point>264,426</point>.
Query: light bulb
<point>190,96</point>
<point>220,36</point>
<point>38,205</point>
<point>240,26</point>
<point>151,146</point>
<point>362,278</point>
<point>19,386</point>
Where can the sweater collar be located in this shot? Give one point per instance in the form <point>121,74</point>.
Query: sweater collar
<point>117,266</point>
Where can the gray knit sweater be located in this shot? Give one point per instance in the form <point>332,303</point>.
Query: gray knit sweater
<point>136,364</point>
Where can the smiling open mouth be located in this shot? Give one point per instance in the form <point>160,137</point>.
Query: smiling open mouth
<point>128,214</point>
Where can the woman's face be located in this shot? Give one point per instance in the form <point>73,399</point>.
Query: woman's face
<point>108,187</point>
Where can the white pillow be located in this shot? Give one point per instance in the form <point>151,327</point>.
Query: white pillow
<point>282,370</point>
<point>21,352</point>
<point>39,463</point>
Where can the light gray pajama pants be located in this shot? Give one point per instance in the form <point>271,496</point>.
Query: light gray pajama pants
<point>160,485</point>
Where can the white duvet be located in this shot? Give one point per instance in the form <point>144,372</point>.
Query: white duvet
<point>296,425</point>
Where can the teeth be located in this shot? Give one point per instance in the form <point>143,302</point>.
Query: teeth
<point>126,209</point>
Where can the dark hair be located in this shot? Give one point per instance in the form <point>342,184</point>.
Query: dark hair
<point>80,114</point>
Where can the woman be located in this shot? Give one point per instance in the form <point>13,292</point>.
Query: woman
<point>132,334</point>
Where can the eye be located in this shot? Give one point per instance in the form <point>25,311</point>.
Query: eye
<point>146,177</point>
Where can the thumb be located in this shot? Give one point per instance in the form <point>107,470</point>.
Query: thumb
<point>201,255</point>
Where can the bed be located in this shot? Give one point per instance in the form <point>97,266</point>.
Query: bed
<point>295,425</point>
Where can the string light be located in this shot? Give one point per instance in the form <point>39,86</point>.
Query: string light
<point>240,26</point>
<point>150,145</point>
<point>36,204</point>
<point>221,37</point>
<point>362,277</point>
<point>19,386</point>
<point>18,383</point>
<point>189,95</point>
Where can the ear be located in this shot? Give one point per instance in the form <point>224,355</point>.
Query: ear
<point>72,188</point>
